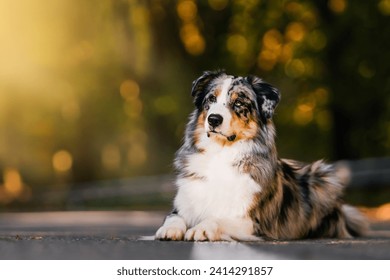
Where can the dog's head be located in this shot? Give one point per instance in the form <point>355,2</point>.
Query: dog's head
<point>232,108</point>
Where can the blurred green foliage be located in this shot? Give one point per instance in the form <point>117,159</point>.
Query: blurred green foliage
<point>93,90</point>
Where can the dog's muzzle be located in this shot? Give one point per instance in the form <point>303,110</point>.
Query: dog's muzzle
<point>214,121</point>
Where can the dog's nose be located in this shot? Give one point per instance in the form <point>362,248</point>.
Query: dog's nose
<point>215,120</point>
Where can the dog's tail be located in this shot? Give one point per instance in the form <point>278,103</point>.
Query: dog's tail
<point>356,224</point>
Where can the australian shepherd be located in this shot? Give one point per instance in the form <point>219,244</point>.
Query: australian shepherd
<point>231,183</point>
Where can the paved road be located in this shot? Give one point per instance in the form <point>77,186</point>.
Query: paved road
<point>126,235</point>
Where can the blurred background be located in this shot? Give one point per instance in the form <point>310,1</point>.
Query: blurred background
<point>95,95</point>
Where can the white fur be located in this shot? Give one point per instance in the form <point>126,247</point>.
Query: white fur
<point>268,106</point>
<point>220,107</point>
<point>222,196</point>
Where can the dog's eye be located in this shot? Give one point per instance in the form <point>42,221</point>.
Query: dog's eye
<point>237,103</point>
<point>212,99</point>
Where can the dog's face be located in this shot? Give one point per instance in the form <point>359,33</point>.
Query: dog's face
<point>232,108</point>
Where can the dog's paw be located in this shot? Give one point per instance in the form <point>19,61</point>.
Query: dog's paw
<point>205,231</point>
<point>169,233</point>
<point>174,228</point>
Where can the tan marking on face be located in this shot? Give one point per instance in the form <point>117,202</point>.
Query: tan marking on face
<point>200,127</point>
<point>243,129</point>
<point>220,139</point>
<point>234,95</point>
<point>217,92</point>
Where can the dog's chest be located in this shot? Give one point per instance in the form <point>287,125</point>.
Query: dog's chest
<point>219,189</point>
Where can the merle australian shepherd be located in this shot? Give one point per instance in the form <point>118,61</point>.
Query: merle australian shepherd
<point>231,183</point>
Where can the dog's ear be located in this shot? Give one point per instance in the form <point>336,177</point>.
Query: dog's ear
<point>201,85</point>
<point>268,96</point>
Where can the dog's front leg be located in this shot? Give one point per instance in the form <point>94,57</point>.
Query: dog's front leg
<point>174,228</point>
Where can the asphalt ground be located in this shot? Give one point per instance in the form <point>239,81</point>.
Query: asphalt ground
<point>128,235</point>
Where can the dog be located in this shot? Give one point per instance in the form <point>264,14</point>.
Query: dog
<point>232,186</point>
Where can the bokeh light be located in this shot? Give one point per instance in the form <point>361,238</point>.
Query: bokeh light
<point>193,41</point>
<point>218,5</point>
<point>237,44</point>
<point>295,31</point>
<point>187,10</point>
<point>295,68</point>
<point>338,6</point>
<point>129,90</point>
<point>62,161</point>
<point>384,7</point>
<point>271,49</point>
<point>13,184</point>
<point>190,34</point>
